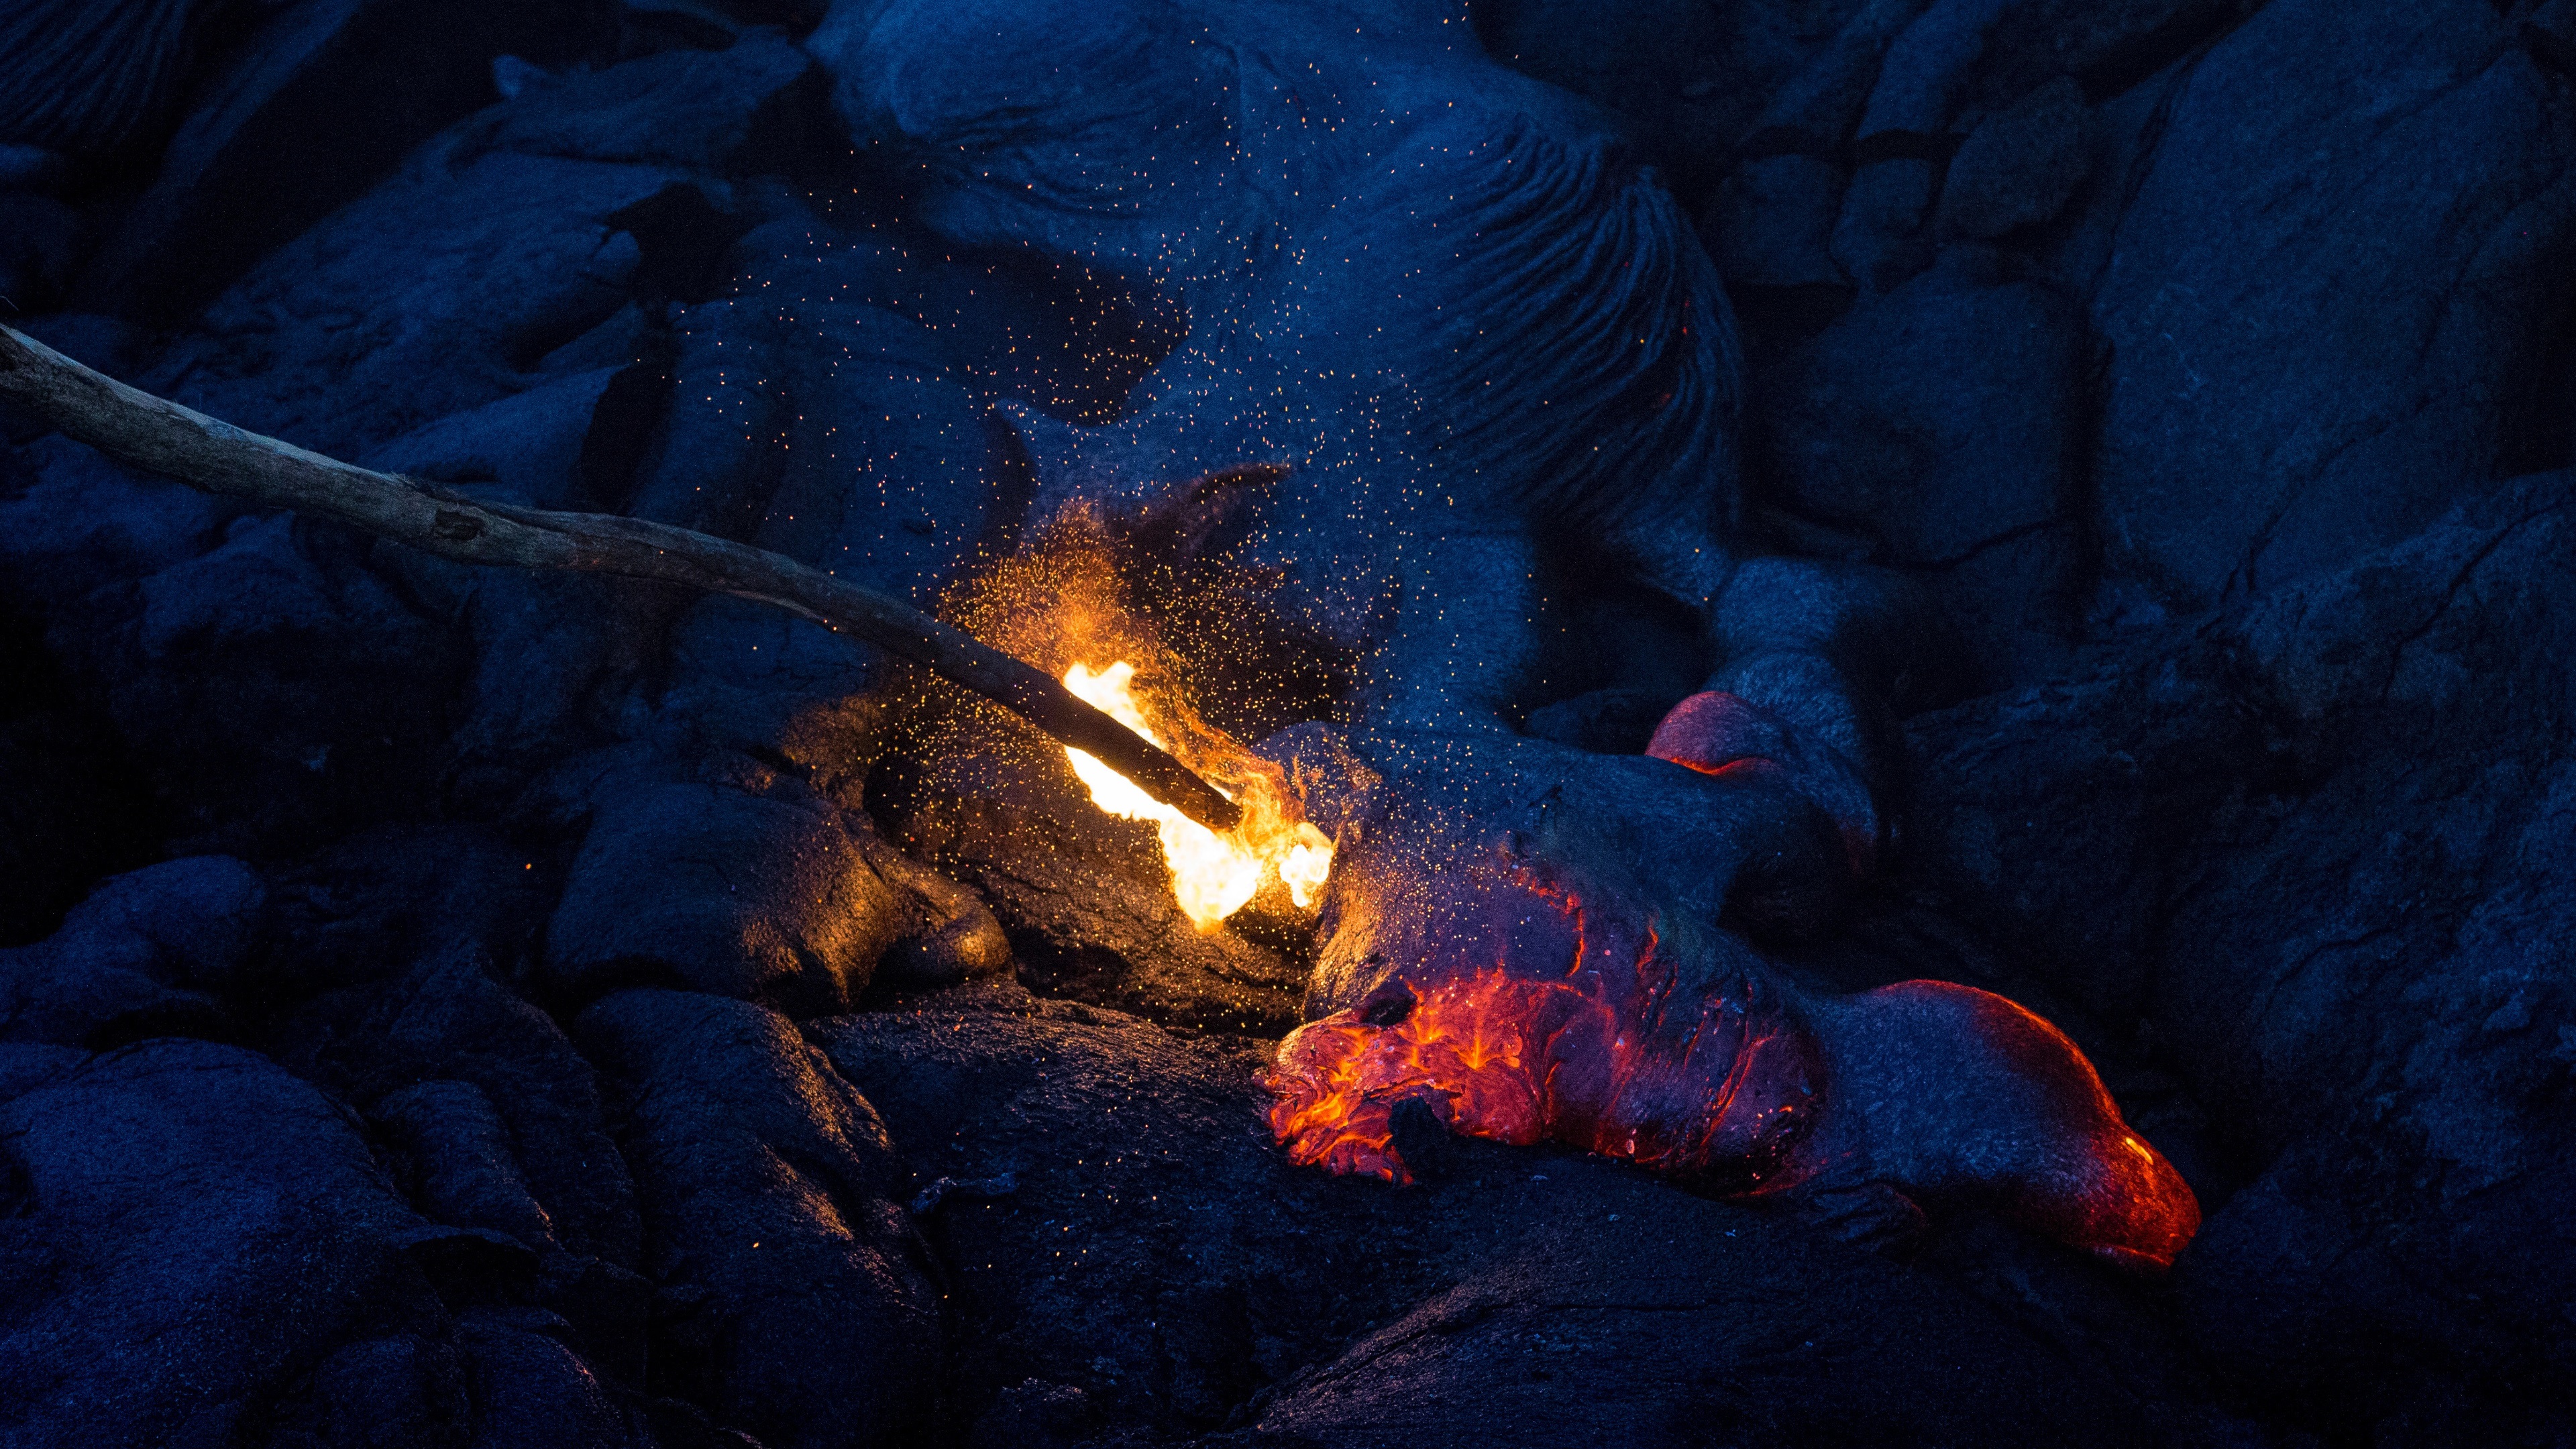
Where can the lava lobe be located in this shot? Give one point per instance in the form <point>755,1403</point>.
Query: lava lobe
<point>1558,975</point>
<point>1610,1051</point>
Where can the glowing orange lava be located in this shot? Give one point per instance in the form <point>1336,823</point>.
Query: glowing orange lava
<point>1213,876</point>
<point>1568,1025</point>
<point>1610,1054</point>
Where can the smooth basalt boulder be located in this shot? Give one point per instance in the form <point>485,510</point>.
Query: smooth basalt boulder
<point>1942,423</point>
<point>755,897</point>
<point>2289,390</point>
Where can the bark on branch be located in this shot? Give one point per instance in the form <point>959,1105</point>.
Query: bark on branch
<point>162,437</point>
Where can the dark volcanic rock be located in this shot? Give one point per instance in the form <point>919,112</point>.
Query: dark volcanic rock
<point>1644,1327</point>
<point>277,688</point>
<point>1087,899</point>
<point>1820,106</point>
<point>2319,849</point>
<point>39,240</point>
<point>768,897</point>
<point>144,956</point>
<point>423,298</point>
<point>554,654</point>
<point>707,22</point>
<point>1128,1248</point>
<point>80,523</point>
<point>747,678</point>
<point>1111,1214</point>
<point>1884,233</point>
<point>463,1168</point>
<point>1772,222</point>
<point>500,241</point>
<point>2020,167</point>
<point>403,894</point>
<point>432,315</point>
<point>76,76</point>
<point>191,1230</point>
<point>1654,64</point>
<point>74,811</point>
<point>2056,305</point>
<point>531,1392</point>
<point>36,168</point>
<point>393,1389</point>
<point>314,107</point>
<point>2290,388</point>
<point>792,1292</point>
<point>757,105</point>
<point>447,1024</point>
<point>1941,416</point>
<point>530,443</point>
<point>270,691</point>
<point>555,658</point>
<point>2109,45</point>
<point>869,457</point>
<point>1945,420</point>
<point>75,804</point>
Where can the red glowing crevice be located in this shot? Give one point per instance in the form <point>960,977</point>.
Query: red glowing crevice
<point>1596,1056</point>
<point>1721,1086</point>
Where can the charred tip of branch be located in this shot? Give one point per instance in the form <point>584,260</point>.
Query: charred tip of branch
<point>1203,804</point>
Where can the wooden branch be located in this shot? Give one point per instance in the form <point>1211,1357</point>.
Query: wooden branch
<point>162,437</point>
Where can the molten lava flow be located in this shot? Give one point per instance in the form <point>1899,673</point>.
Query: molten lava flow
<point>1523,1023</point>
<point>1609,1053</point>
<point>1213,875</point>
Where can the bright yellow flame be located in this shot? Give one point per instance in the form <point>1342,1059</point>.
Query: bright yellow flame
<point>1306,864</point>
<point>1212,875</point>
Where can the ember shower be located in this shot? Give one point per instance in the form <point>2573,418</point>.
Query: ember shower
<point>1831,721</point>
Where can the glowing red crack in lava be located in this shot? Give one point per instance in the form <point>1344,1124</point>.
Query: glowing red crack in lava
<point>1610,1054</point>
<point>1938,1089</point>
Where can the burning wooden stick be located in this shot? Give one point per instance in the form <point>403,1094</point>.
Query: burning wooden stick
<point>162,437</point>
